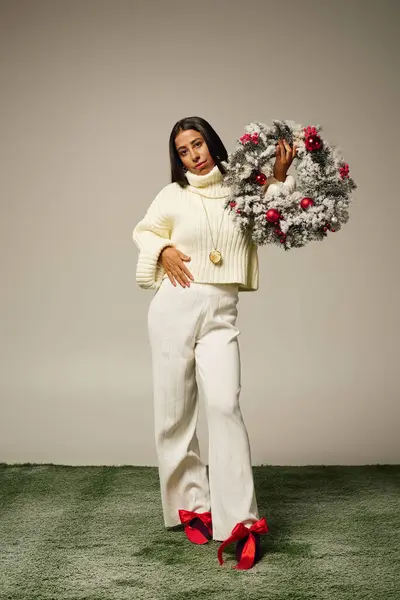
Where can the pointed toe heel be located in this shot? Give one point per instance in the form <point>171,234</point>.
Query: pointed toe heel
<point>248,546</point>
<point>198,526</point>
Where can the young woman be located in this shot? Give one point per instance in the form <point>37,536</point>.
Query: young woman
<point>193,255</point>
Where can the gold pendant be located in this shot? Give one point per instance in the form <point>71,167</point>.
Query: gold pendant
<point>215,256</point>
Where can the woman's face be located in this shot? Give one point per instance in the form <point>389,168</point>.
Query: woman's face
<point>193,152</point>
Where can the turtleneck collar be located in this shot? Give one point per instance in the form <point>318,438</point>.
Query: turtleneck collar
<point>210,184</point>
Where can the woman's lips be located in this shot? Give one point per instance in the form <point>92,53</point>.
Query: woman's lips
<point>201,164</point>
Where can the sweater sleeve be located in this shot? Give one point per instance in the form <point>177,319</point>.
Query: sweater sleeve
<point>289,184</point>
<point>151,235</point>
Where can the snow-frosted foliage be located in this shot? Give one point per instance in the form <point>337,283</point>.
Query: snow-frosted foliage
<point>321,174</point>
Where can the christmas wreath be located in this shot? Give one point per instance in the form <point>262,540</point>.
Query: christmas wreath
<point>277,215</point>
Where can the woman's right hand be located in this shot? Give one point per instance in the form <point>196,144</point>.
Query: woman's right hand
<point>173,262</point>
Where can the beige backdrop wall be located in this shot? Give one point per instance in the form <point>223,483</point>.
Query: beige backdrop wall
<point>89,93</point>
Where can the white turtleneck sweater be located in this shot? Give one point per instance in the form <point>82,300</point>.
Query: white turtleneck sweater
<point>176,218</point>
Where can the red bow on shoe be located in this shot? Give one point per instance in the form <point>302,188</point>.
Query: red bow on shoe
<point>239,532</point>
<point>194,535</point>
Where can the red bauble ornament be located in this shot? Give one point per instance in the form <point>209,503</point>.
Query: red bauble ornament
<point>272,215</point>
<point>261,178</point>
<point>306,203</point>
<point>313,142</point>
<point>232,203</point>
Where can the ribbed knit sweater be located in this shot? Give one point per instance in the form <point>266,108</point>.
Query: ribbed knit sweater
<point>176,217</point>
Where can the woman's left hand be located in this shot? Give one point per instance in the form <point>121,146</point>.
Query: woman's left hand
<point>284,158</point>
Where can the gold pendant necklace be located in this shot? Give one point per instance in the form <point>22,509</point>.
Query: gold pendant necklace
<point>215,255</point>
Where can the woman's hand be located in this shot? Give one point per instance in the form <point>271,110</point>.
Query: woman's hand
<point>284,158</point>
<point>173,262</point>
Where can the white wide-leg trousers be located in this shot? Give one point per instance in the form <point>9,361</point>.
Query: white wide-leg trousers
<point>195,353</point>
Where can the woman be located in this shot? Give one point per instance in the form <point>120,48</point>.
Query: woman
<point>194,256</point>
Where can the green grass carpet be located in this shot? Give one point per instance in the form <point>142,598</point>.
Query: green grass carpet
<point>96,533</point>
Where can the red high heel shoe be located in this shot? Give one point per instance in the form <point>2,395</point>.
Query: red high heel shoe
<point>247,543</point>
<point>198,526</point>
